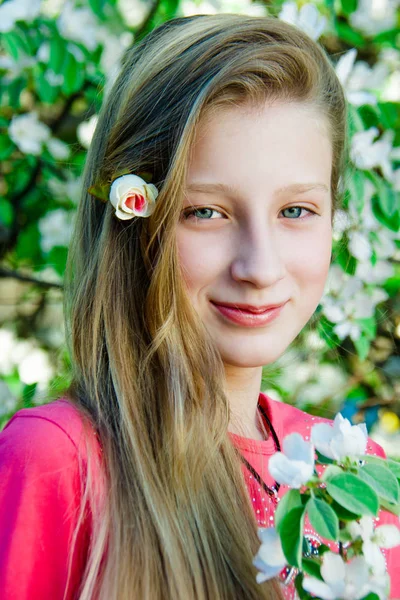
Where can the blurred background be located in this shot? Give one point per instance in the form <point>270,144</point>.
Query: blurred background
<point>57,61</point>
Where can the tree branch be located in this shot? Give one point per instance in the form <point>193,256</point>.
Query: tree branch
<point>8,273</point>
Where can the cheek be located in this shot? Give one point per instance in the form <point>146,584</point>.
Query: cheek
<point>311,261</point>
<point>200,259</point>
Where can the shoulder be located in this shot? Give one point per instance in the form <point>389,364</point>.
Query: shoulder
<point>289,419</point>
<point>49,433</point>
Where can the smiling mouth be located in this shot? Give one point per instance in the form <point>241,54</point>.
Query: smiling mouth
<point>244,317</point>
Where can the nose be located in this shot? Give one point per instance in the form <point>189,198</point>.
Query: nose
<point>258,257</point>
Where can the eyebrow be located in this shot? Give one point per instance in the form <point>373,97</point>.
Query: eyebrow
<point>293,188</point>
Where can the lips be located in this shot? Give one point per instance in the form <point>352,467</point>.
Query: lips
<point>247,315</point>
<point>249,307</point>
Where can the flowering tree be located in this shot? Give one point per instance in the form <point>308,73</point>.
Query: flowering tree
<point>58,58</point>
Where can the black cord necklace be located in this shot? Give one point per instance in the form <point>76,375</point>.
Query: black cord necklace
<point>271,491</point>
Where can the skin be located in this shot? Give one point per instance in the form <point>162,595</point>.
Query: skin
<point>241,238</point>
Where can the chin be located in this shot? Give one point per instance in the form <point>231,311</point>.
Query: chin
<point>251,357</point>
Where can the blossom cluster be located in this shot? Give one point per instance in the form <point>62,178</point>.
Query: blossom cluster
<point>340,491</point>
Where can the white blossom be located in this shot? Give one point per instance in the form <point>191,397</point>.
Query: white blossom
<point>35,366</point>
<point>68,189</point>
<point>384,536</point>
<point>308,18</point>
<point>374,16</point>
<point>8,400</point>
<point>269,559</point>
<point>28,133</point>
<point>79,25</point>
<point>375,274</point>
<point>213,7</point>
<point>86,130</point>
<point>54,79</point>
<point>55,229</point>
<point>43,54</point>
<point>58,149</point>
<point>295,465</point>
<point>340,440</point>
<point>18,10</point>
<point>133,11</point>
<point>359,79</point>
<point>367,153</point>
<point>340,580</point>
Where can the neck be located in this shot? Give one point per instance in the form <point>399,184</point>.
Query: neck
<point>242,386</point>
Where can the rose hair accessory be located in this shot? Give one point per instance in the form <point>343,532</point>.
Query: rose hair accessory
<point>130,195</point>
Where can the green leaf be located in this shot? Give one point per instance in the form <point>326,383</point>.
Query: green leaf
<point>355,188</point>
<point>97,7</point>
<point>347,34</point>
<point>354,494</point>
<point>323,519</point>
<point>6,147</point>
<point>101,192</point>
<point>291,534</point>
<point>298,583</point>
<point>27,394</point>
<point>330,472</point>
<point>58,259</point>
<point>47,92</point>
<point>311,567</point>
<point>382,480</point>
<point>348,6</point>
<point>362,345</point>
<point>371,596</point>
<point>324,460</point>
<point>57,54</point>
<point>394,466</point>
<point>344,514</point>
<point>6,212</point>
<point>74,75</point>
<point>290,500</point>
<point>392,508</point>
<point>389,36</point>
<point>15,44</point>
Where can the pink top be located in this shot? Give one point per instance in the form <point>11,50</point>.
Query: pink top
<point>40,495</point>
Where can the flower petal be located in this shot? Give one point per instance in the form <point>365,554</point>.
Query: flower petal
<point>318,588</point>
<point>289,472</point>
<point>321,436</point>
<point>271,548</point>
<point>387,536</point>
<point>296,448</point>
<point>333,568</point>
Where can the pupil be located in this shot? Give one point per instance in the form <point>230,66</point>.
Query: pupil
<point>204,212</point>
<point>294,208</point>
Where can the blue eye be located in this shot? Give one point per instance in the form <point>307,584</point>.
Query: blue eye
<point>203,213</point>
<point>296,214</point>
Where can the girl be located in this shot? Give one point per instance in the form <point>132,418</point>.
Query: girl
<point>202,247</point>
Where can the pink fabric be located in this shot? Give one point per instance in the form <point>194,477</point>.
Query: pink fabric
<point>40,495</point>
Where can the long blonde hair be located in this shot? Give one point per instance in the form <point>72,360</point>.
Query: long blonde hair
<point>176,522</point>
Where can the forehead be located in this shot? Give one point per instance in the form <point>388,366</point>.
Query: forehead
<point>272,145</point>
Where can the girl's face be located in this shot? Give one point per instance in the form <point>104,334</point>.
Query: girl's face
<point>255,227</point>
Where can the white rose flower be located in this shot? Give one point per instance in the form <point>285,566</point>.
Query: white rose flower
<point>131,196</point>
<point>295,465</point>
<point>269,559</point>
<point>28,133</point>
<point>340,440</point>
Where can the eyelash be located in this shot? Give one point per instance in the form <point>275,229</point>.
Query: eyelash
<point>191,212</point>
